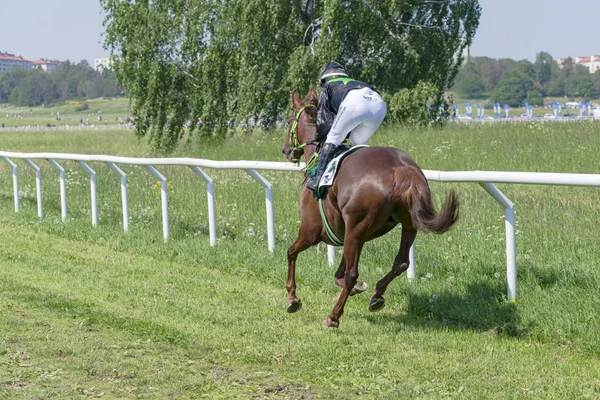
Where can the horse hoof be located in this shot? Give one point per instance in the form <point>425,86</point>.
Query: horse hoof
<point>329,323</point>
<point>294,306</point>
<point>376,304</point>
<point>358,288</point>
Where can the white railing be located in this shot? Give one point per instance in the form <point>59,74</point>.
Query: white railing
<point>195,164</point>
<point>484,178</point>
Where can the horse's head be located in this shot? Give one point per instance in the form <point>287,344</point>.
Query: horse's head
<point>302,127</point>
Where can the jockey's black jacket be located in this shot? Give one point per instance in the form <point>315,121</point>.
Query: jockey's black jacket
<point>333,92</point>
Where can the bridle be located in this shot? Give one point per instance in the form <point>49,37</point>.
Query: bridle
<point>295,145</point>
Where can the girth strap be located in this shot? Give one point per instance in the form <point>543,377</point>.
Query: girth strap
<point>328,229</point>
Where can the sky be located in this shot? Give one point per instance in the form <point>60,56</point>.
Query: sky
<point>52,29</point>
<point>518,29</point>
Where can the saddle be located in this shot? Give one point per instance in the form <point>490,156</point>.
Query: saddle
<point>332,168</point>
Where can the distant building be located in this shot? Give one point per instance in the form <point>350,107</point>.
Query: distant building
<point>8,61</point>
<point>100,64</point>
<point>46,65</point>
<point>592,63</point>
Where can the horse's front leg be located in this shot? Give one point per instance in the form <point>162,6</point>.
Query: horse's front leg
<point>302,243</point>
<point>293,301</point>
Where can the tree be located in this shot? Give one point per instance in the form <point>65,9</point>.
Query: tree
<point>69,81</point>
<point>586,88</point>
<point>555,88</point>
<point>571,86</point>
<point>543,67</point>
<point>88,89</point>
<point>471,85</point>
<point>567,69</point>
<point>526,67</point>
<point>595,78</point>
<point>512,89</point>
<point>35,89</point>
<point>109,86</point>
<point>535,97</point>
<point>216,63</point>
<point>491,73</point>
<point>8,81</point>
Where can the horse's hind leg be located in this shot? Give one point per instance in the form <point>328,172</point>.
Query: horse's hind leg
<point>352,249</point>
<point>401,263</point>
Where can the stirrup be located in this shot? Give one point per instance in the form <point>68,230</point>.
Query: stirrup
<point>314,186</point>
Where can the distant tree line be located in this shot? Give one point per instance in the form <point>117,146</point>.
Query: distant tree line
<point>68,81</point>
<point>515,82</point>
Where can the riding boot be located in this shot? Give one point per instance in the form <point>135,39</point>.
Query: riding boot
<point>324,156</point>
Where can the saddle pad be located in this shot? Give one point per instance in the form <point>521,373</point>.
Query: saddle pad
<point>332,167</point>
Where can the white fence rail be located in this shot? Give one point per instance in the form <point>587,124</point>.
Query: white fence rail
<point>483,178</point>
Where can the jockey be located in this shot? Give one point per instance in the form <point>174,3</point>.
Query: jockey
<point>345,107</point>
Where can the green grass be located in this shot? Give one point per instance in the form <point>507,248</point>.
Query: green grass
<point>70,113</point>
<point>94,312</point>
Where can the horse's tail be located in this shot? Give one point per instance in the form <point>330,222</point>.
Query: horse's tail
<point>418,202</point>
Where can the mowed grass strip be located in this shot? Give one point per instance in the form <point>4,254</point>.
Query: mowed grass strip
<point>78,336</point>
<point>85,320</point>
<point>66,285</point>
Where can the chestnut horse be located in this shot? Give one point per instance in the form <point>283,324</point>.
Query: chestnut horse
<point>375,189</point>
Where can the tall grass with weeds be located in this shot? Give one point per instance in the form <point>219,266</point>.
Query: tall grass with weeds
<point>95,312</point>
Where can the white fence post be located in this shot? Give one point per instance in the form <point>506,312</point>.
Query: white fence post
<point>63,187</point>
<point>411,273</point>
<point>511,249</point>
<point>164,195</point>
<point>38,185</point>
<point>94,196</point>
<point>15,171</point>
<point>210,194</point>
<point>124,195</point>
<point>269,201</point>
<point>331,255</point>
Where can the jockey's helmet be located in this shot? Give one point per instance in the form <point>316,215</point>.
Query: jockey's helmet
<point>331,70</point>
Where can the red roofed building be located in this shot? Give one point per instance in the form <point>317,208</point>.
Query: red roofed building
<point>46,65</point>
<point>592,63</point>
<point>8,61</point>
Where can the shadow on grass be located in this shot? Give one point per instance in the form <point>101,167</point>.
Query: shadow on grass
<point>483,308</point>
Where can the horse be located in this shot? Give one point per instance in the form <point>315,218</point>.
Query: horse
<point>375,189</point>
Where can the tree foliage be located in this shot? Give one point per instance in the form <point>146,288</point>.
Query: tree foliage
<point>512,89</point>
<point>544,77</point>
<point>67,82</point>
<point>212,65</point>
<point>543,67</point>
<point>471,85</point>
<point>34,89</point>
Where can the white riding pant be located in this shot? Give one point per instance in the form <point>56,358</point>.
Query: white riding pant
<point>361,113</point>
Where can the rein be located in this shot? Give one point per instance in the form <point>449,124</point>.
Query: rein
<point>294,144</point>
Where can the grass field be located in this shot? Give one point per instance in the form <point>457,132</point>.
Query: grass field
<point>70,113</point>
<point>94,312</point>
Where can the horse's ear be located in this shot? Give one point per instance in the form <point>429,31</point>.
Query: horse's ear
<point>312,97</point>
<point>297,103</point>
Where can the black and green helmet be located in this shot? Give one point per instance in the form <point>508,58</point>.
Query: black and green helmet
<point>331,70</point>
